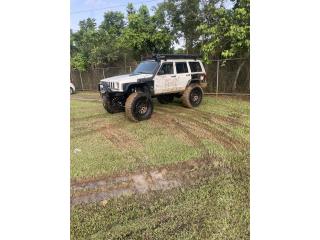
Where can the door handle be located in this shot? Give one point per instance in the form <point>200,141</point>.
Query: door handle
<point>187,74</point>
<point>173,76</point>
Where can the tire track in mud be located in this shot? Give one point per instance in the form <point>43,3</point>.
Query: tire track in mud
<point>213,127</point>
<point>159,179</point>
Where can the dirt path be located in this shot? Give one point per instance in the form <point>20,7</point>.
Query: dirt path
<point>167,177</point>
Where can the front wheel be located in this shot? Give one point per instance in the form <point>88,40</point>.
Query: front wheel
<point>192,96</point>
<point>138,107</point>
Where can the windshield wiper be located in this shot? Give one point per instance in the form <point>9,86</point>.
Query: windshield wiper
<point>144,72</point>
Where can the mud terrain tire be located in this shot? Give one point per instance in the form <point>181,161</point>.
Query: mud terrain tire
<point>110,105</point>
<point>138,107</point>
<point>165,99</point>
<point>192,96</point>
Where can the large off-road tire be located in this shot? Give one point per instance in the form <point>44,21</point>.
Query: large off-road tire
<point>192,96</point>
<point>165,99</point>
<point>138,107</point>
<point>111,104</point>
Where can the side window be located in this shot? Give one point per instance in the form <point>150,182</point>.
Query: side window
<point>166,68</point>
<point>195,67</point>
<point>181,67</point>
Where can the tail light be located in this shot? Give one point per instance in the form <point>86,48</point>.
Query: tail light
<point>203,77</point>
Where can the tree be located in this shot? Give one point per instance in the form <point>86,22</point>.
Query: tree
<point>207,26</point>
<point>143,36</point>
<point>183,17</point>
<point>79,62</point>
<point>110,31</point>
<point>112,23</point>
<point>226,32</point>
<point>88,24</point>
<point>130,9</point>
<point>97,46</point>
<point>83,42</point>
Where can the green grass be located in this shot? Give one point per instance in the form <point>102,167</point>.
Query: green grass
<point>213,208</point>
<point>111,144</point>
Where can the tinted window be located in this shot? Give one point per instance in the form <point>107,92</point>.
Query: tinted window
<point>167,68</point>
<point>195,67</point>
<point>146,67</point>
<point>181,67</point>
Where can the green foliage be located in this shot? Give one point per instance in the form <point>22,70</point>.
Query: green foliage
<point>130,9</point>
<point>97,45</point>
<point>113,23</point>
<point>206,26</point>
<point>226,32</point>
<point>182,18</point>
<point>79,62</point>
<point>143,34</point>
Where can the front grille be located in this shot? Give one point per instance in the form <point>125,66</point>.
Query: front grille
<point>110,84</point>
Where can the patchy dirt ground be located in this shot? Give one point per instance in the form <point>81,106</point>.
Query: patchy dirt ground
<point>184,173</point>
<point>166,177</point>
<point>110,143</point>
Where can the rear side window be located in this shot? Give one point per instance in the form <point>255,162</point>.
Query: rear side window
<point>166,68</point>
<point>181,67</point>
<point>195,67</point>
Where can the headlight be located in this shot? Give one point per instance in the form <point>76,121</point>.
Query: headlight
<point>102,90</point>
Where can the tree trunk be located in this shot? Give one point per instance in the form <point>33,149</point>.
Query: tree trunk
<point>247,82</point>
<point>236,77</point>
<point>81,80</point>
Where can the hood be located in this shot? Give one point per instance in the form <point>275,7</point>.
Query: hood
<point>126,78</point>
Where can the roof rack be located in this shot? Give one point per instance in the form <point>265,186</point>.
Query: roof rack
<point>159,57</point>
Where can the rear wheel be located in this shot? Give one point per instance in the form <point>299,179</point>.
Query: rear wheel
<point>165,99</point>
<point>112,104</point>
<point>192,96</point>
<point>138,107</point>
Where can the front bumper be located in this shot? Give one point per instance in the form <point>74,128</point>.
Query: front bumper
<point>104,89</point>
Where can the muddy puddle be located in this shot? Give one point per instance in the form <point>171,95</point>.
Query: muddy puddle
<point>186,173</point>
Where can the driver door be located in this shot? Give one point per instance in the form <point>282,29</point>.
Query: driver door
<point>165,80</point>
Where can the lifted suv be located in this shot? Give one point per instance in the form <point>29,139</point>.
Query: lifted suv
<point>162,76</point>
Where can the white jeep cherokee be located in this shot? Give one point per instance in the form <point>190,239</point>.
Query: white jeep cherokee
<point>162,76</point>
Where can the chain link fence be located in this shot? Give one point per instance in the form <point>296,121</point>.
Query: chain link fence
<point>229,76</point>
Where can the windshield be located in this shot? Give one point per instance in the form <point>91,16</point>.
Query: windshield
<point>148,67</point>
